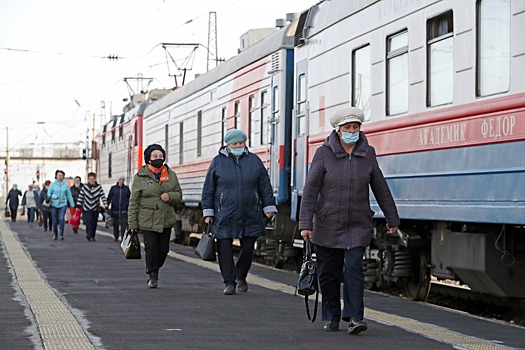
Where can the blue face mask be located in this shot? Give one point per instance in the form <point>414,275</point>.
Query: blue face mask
<point>237,152</point>
<point>350,137</point>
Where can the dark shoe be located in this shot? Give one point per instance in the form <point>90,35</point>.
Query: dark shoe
<point>115,239</point>
<point>75,230</point>
<point>229,290</point>
<point>242,286</point>
<point>61,238</point>
<point>55,237</point>
<point>356,326</point>
<point>93,239</point>
<point>153,281</point>
<point>88,237</point>
<point>331,326</point>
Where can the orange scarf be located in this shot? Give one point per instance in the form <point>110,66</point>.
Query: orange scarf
<point>163,172</point>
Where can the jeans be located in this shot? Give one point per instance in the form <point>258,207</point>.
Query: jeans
<point>57,215</point>
<point>46,219</point>
<point>121,221</point>
<point>157,246</point>
<point>31,214</point>
<point>230,271</point>
<point>330,265</point>
<point>91,219</point>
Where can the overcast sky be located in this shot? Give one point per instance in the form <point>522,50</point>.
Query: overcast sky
<point>53,65</point>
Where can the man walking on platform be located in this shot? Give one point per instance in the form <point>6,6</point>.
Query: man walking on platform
<point>12,199</point>
<point>118,198</point>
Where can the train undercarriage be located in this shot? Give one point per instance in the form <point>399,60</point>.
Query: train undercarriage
<point>488,258</point>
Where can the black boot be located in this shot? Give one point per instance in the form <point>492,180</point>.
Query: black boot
<point>153,280</point>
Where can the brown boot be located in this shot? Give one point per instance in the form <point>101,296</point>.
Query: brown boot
<point>229,290</point>
<point>242,286</point>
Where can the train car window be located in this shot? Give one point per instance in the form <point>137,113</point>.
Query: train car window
<point>224,123</point>
<point>275,113</point>
<point>104,140</point>
<point>113,136</point>
<point>361,74</point>
<point>181,142</point>
<point>121,133</point>
<point>440,53</point>
<point>264,118</point>
<point>199,133</point>
<point>301,104</point>
<point>493,47</point>
<point>109,166</point>
<point>237,110</point>
<point>135,134</point>
<point>166,140</point>
<point>397,74</point>
<point>252,122</point>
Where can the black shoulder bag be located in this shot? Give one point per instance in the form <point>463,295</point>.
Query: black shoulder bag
<point>307,284</point>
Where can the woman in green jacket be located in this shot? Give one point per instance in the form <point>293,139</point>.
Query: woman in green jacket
<point>154,194</point>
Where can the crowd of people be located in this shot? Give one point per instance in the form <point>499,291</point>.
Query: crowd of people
<point>237,196</point>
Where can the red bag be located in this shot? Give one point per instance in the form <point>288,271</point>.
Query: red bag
<point>75,217</point>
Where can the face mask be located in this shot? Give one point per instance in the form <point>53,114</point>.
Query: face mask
<point>157,163</point>
<point>350,137</point>
<point>237,151</point>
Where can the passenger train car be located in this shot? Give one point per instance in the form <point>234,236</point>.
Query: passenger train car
<point>440,82</point>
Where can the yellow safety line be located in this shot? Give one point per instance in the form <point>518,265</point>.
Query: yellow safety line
<point>58,328</point>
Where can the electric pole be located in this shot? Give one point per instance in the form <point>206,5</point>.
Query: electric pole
<point>212,40</point>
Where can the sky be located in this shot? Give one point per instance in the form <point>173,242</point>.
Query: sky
<point>54,65</point>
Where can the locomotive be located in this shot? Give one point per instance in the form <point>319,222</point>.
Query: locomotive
<point>439,83</point>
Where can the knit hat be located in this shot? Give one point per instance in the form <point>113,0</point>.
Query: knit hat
<point>235,135</point>
<point>346,115</point>
<point>151,148</point>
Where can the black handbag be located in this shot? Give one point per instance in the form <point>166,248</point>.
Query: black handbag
<point>206,247</point>
<point>131,245</point>
<point>308,284</point>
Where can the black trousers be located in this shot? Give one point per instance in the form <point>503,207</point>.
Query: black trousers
<point>121,222</point>
<point>46,219</point>
<point>334,265</point>
<point>230,271</point>
<point>157,246</point>
<point>14,211</point>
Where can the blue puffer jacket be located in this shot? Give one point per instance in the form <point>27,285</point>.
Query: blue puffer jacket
<point>60,194</point>
<point>236,192</point>
<point>118,198</point>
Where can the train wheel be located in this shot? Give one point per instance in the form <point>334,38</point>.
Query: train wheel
<point>417,287</point>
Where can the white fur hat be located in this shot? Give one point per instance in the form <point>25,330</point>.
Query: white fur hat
<point>347,115</point>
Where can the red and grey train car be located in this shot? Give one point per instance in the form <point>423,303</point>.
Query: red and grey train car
<point>441,83</point>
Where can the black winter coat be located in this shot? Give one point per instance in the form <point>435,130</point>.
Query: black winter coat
<point>336,203</point>
<point>75,192</point>
<point>236,192</point>
<point>12,198</point>
<point>118,198</point>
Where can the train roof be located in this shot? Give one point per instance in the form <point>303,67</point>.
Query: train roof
<point>326,13</point>
<point>283,38</point>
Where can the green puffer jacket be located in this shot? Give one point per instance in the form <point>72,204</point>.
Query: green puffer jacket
<point>147,212</point>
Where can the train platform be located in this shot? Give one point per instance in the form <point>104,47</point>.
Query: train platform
<point>75,294</point>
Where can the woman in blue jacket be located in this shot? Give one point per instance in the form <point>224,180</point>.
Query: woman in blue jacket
<point>60,195</point>
<point>236,193</point>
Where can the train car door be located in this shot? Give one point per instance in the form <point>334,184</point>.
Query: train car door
<point>274,136</point>
<point>300,135</point>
